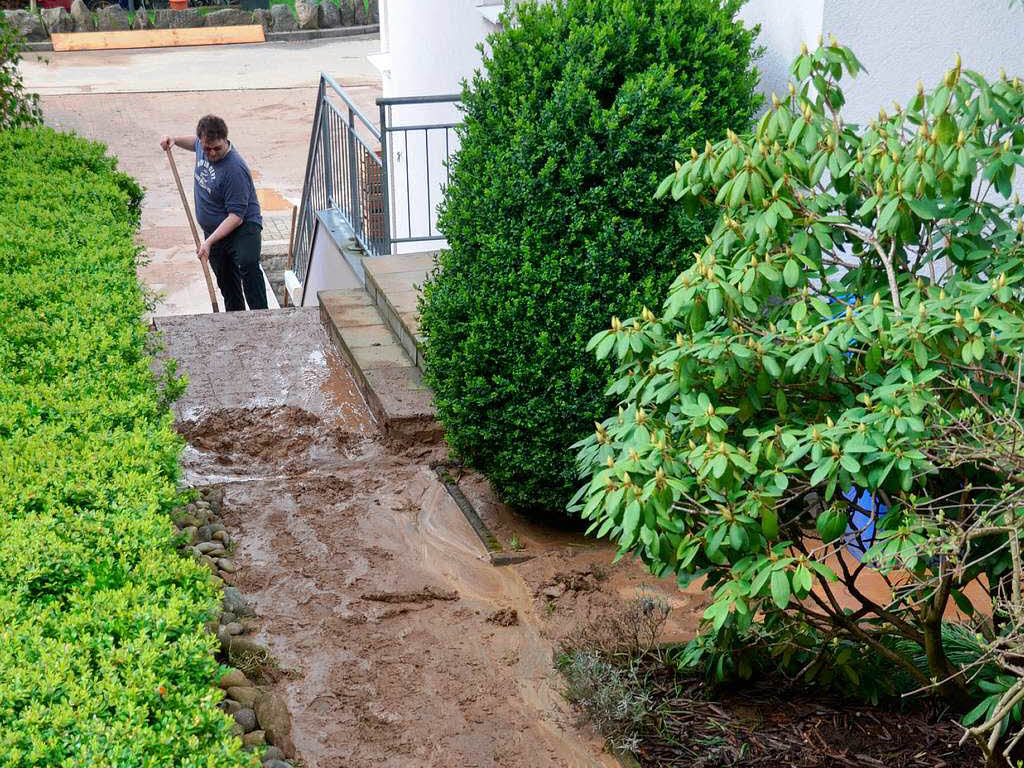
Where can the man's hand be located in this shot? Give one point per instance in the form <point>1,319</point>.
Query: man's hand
<point>166,142</point>
<point>204,251</point>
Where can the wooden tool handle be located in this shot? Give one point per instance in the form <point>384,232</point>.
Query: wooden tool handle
<point>195,232</point>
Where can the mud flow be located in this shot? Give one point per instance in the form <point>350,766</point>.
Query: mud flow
<point>247,443</point>
<point>395,641</point>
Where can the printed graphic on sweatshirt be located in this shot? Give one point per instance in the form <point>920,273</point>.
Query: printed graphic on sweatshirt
<point>206,174</point>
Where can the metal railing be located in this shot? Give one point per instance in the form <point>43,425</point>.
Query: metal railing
<point>344,172</point>
<point>406,150</point>
<point>385,183</point>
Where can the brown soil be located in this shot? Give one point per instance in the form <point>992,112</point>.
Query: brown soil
<point>281,439</point>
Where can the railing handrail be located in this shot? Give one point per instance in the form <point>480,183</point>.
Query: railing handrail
<point>352,107</point>
<point>387,101</point>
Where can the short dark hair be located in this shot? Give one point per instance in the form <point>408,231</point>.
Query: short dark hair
<point>211,128</point>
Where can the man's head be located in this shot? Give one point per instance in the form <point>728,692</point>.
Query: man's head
<point>213,137</point>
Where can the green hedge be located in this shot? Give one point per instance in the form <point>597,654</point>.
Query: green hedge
<point>576,116</point>
<point>103,657</point>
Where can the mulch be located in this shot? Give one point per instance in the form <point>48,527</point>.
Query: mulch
<point>766,725</point>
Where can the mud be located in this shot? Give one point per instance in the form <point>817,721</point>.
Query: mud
<point>398,644</point>
<point>281,439</point>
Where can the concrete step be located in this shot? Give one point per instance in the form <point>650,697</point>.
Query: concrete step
<point>385,374</point>
<point>393,283</point>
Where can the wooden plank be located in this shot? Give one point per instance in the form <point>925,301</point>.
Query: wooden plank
<point>157,38</point>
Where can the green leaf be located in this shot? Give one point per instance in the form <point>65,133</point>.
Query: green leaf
<point>945,129</point>
<point>867,207</point>
<point>925,209</point>
<point>849,463</point>
<point>719,465</point>
<point>831,523</point>
<point>799,312</point>
<point>887,213</point>
<point>664,186</point>
<point>739,189</point>
<point>605,346</point>
<point>920,355</point>
<point>714,301</point>
<point>771,366</point>
<point>983,707</point>
<point>780,588</point>
<point>940,100</point>
<point>791,273</point>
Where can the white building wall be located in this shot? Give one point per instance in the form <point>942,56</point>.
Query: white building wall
<point>785,24</point>
<point>898,41</point>
<point>902,42</point>
<point>431,47</point>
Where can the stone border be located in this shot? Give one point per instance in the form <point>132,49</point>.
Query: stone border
<point>301,35</point>
<point>262,720</point>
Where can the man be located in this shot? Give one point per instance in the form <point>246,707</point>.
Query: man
<point>228,213</point>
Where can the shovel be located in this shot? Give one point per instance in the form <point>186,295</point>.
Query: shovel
<point>195,232</point>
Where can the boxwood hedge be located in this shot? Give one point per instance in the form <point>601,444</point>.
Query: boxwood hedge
<point>551,222</point>
<point>103,657</point>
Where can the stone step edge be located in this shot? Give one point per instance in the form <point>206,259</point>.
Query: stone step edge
<point>410,342</point>
<point>390,423</point>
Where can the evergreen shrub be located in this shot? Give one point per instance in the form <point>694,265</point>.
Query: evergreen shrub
<point>104,660</point>
<point>551,219</point>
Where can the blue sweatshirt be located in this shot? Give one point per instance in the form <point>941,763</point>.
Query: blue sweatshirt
<point>224,187</point>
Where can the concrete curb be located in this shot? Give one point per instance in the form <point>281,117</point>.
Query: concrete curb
<point>495,552</point>
<point>272,37</point>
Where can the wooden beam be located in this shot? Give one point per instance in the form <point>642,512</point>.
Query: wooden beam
<point>157,38</point>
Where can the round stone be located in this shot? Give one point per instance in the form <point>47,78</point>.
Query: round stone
<point>253,739</point>
<point>230,706</point>
<point>275,764</point>
<point>234,628</point>
<point>273,753</point>
<point>234,602</point>
<point>235,678</point>
<point>227,565</point>
<point>247,719</point>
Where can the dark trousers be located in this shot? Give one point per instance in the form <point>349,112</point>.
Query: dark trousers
<point>236,263</point>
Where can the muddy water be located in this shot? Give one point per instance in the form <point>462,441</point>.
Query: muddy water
<point>371,590</point>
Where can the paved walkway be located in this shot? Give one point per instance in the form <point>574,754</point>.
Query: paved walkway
<point>269,126</point>
<point>202,68</point>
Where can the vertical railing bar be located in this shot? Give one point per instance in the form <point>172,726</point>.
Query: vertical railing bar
<point>357,218</point>
<point>327,157</point>
<point>408,198</point>
<point>426,150</point>
<point>447,159</point>
<point>385,178</point>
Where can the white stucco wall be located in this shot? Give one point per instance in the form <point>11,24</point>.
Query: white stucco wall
<point>328,271</point>
<point>785,24</point>
<point>431,47</point>
<point>900,42</point>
